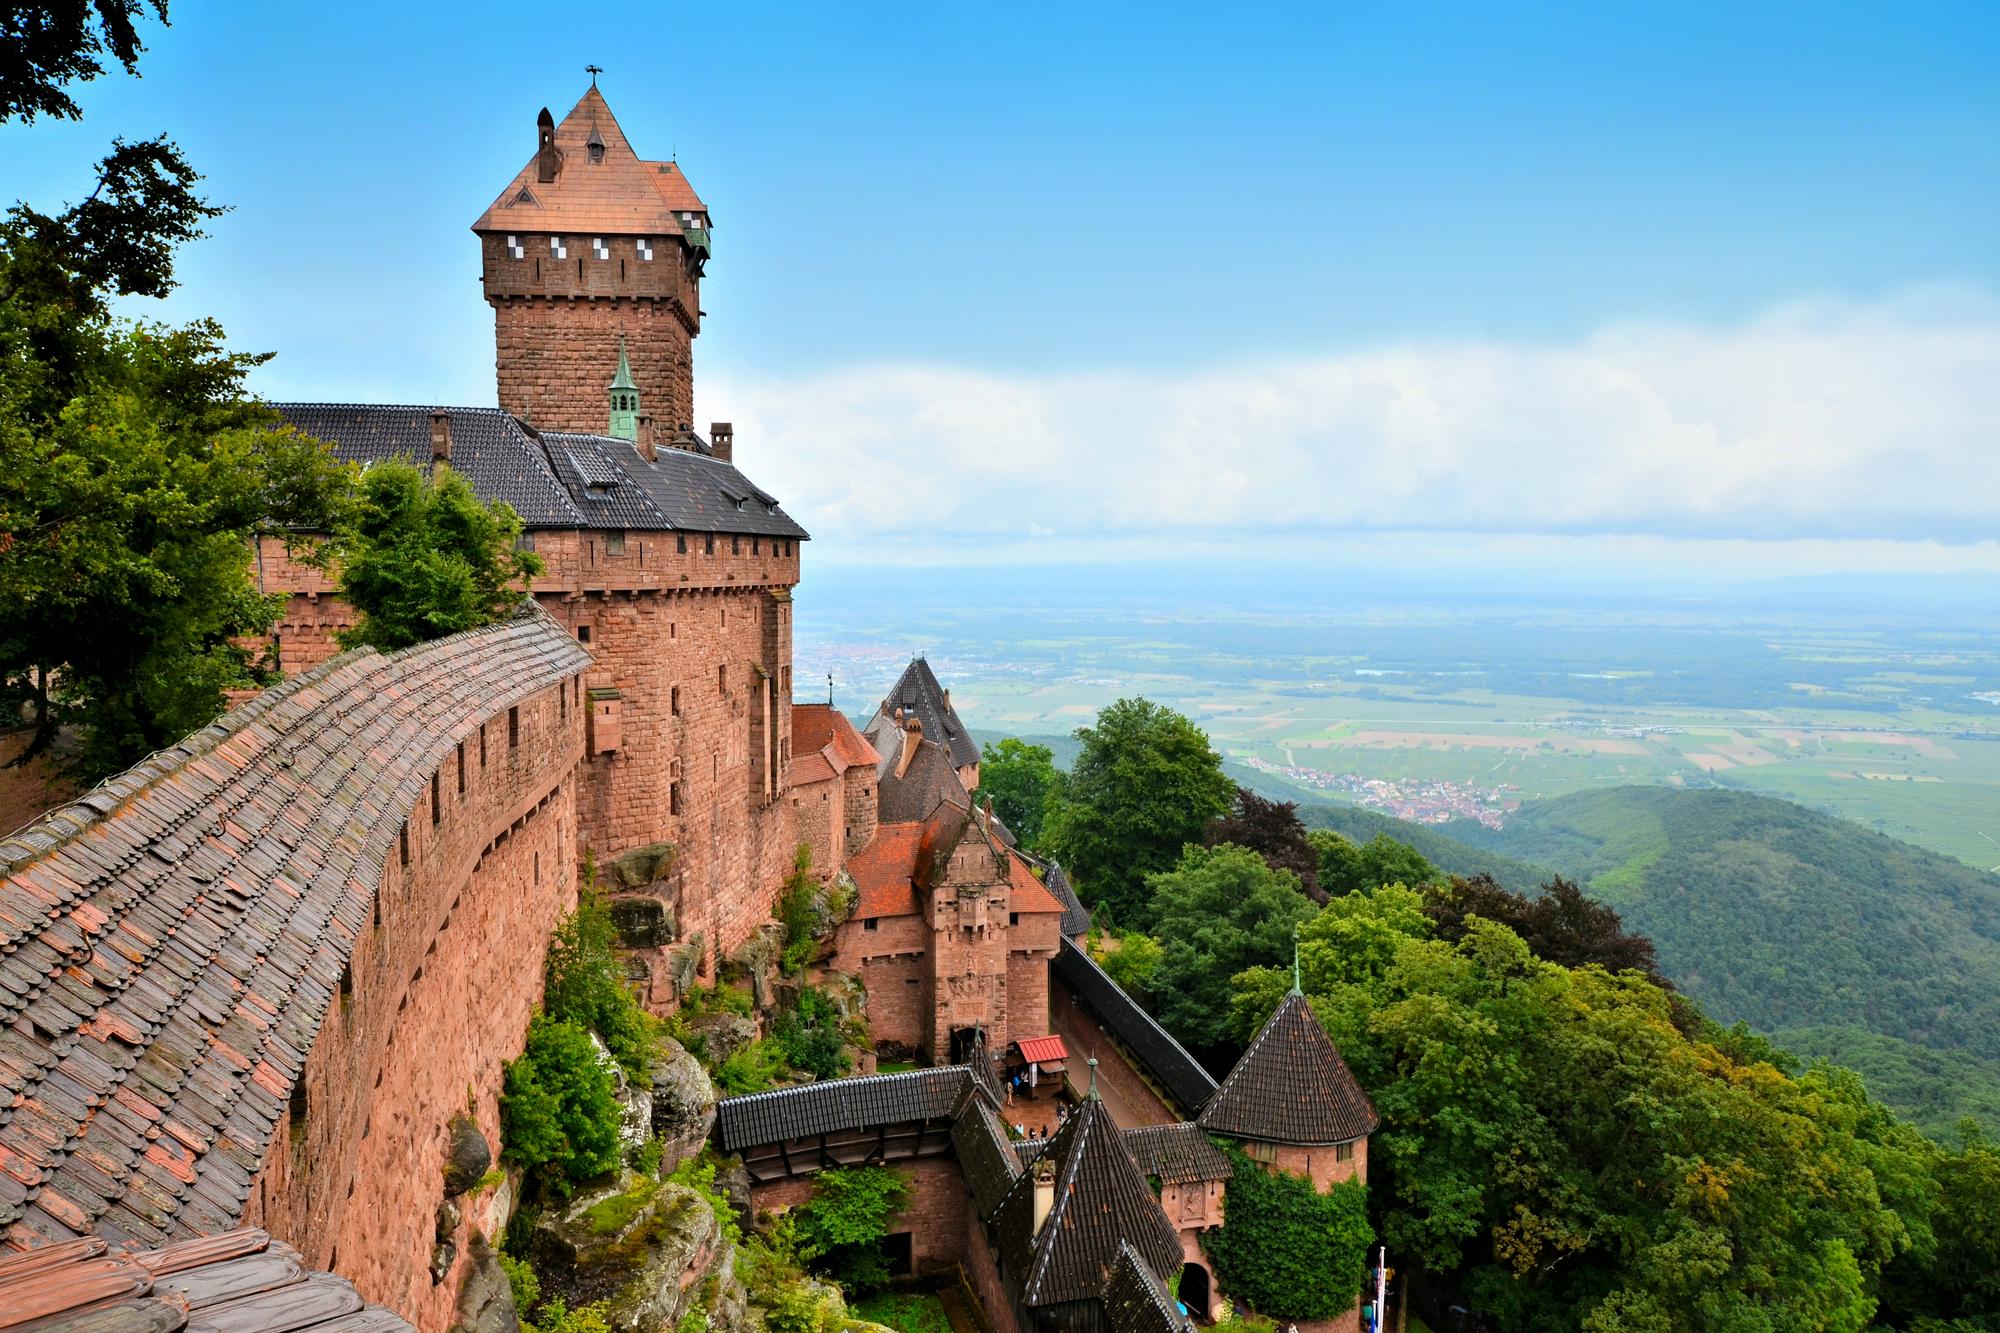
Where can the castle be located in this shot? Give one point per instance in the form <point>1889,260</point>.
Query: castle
<point>269,978</point>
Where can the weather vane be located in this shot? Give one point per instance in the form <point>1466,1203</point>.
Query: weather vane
<point>593,71</point>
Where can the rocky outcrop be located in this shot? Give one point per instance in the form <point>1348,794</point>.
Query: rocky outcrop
<point>722,1035</point>
<point>683,1106</point>
<point>641,866</point>
<point>651,1251</point>
<point>468,1157</point>
<point>485,1298</point>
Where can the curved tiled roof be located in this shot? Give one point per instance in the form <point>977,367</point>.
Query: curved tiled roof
<point>238,1282</point>
<point>1291,1086</point>
<point>170,941</point>
<point>1165,1059</point>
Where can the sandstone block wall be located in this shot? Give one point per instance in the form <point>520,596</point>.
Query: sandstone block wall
<point>816,808</point>
<point>437,999</point>
<point>891,962</point>
<point>937,1215</point>
<point>1323,1166</point>
<point>555,359</point>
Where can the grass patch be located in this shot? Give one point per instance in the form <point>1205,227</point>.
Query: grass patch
<point>906,1312</point>
<point>609,1216</point>
<point>895,1066</point>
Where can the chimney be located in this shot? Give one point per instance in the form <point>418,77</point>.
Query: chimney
<point>440,435</point>
<point>722,440</point>
<point>644,442</point>
<point>685,438</point>
<point>913,736</point>
<point>547,160</point>
<point>1045,1193</point>
<point>947,696</point>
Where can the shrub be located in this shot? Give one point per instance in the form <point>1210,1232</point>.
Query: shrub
<point>1286,1249</point>
<point>586,986</point>
<point>521,1280</point>
<point>839,1231</point>
<point>798,910</point>
<point>698,1174</point>
<point>809,1034</point>
<point>559,1107</point>
<point>753,1069</point>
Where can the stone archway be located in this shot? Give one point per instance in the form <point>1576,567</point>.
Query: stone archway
<point>1195,1290</point>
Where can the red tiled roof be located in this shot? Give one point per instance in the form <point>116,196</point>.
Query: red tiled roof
<point>170,942</point>
<point>620,196</point>
<point>824,730</point>
<point>674,188</point>
<point>87,1284</point>
<point>1029,894</point>
<point>810,769</point>
<point>884,871</point>
<point>1039,1049</point>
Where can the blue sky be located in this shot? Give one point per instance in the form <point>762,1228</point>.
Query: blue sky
<point>1618,273</point>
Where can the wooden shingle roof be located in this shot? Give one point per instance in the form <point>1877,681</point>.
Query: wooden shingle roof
<point>240,1281</point>
<point>170,941</point>
<point>1102,1201</point>
<point>1291,1086</point>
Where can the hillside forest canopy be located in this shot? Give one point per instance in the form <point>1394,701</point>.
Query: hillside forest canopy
<point>1567,1141</point>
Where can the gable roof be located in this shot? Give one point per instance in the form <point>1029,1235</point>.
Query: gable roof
<point>620,195</point>
<point>1165,1059</point>
<point>824,731</point>
<point>918,691</point>
<point>930,779</point>
<point>985,1157</point>
<point>556,479</point>
<point>240,1281</point>
<point>170,942</point>
<point>1102,1200</point>
<point>1291,1086</point>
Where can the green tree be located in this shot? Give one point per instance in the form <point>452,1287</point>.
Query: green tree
<point>422,557</point>
<point>1021,779</point>
<point>50,43</point>
<point>559,1106</point>
<point>133,471</point>
<point>1133,964</point>
<point>585,985</point>
<point>1347,868</point>
<point>1286,1249</point>
<point>809,1033</point>
<point>1220,911</point>
<point>1145,785</point>
<point>840,1229</point>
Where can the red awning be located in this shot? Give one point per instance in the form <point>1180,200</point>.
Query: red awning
<point>1042,1050</point>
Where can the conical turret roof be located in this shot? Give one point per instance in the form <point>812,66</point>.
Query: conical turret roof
<point>1291,1087</point>
<point>619,195</point>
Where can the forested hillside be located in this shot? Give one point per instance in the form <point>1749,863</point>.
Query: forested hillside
<point>1454,856</point>
<point>1834,939</point>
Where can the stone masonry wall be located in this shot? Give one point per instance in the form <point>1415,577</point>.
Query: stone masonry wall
<point>815,808</point>
<point>554,359</point>
<point>1323,1166</point>
<point>437,998</point>
<point>937,1214</point>
<point>891,961</point>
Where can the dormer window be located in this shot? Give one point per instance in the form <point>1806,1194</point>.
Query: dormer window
<point>515,250</point>
<point>645,247</point>
<point>557,250</point>
<point>598,249</point>
<point>594,145</point>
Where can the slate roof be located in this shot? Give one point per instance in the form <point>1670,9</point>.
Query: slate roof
<point>237,1282</point>
<point>930,779</point>
<point>1291,1086</point>
<point>1136,1301</point>
<point>759,1118</point>
<point>620,195</point>
<point>985,1156</point>
<point>556,479</point>
<point>1076,917</point>
<point>170,941</point>
<point>918,692</point>
<point>1176,1153</point>
<point>1177,1071</point>
<point>1102,1201</point>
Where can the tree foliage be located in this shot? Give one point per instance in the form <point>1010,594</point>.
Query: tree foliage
<point>48,44</point>
<point>1286,1249</point>
<point>1146,784</point>
<point>810,1034</point>
<point>423,557</point>
<point>585,985</point>
<point>559,1106</point>
<point>1273,831</point>
<point>1345,867</point>
<point>839,1231</point>
<point>1221,910</point>
<point>1021,779</point>
<point>1560,924</point>
<point>133,475</point>
<point>1133,964</point>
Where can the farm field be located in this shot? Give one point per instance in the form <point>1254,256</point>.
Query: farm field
<point>1441,713</point>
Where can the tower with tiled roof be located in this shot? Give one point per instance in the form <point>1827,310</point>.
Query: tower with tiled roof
<point>589,244</point>
<point>1292,1102</point>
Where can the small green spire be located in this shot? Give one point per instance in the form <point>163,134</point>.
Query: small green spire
<point>624,424</point>
<point>1092,1094</point>
<point>1296,989</point>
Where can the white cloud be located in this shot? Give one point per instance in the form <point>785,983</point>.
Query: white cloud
<point>1826,419</point>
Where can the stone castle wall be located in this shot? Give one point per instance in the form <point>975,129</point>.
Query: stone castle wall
<point>437,996</point>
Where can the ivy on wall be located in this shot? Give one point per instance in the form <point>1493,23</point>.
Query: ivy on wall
<point>1285,1249</point>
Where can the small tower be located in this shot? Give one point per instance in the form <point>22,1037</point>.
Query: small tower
<point>587,247</point>
<point>624,400</point>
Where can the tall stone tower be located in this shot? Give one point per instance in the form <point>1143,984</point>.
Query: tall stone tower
<point>588,246</point>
